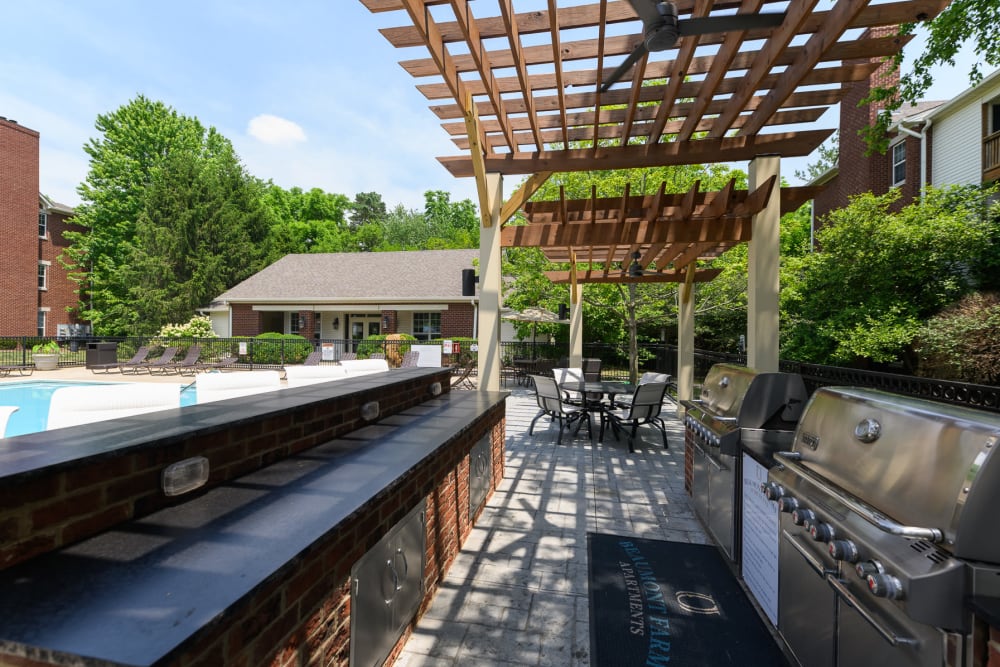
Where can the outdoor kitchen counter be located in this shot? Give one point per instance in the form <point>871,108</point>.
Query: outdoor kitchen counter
<point>143,592</point>
<point>986,608</point>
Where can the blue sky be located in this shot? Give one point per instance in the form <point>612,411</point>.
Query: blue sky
<point>309,92</point>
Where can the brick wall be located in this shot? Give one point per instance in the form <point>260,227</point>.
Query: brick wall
<point>246,320</point>
<point>43,510</point>
<point>858,173</point>
<point>61,293</point>
<point>457,320</point>
<point>18,229</point>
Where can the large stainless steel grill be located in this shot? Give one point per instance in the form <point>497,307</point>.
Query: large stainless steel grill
<point>739,410</point>
<point>888,527</point>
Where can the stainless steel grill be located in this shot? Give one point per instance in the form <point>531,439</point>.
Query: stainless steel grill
<point>887,528</point>
<point>739,410</point>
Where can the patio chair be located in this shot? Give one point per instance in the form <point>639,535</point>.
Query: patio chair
<point>139,362</point>
<point>314,358</point>
<point>550,403</point>
<point>222,364</point>
<point>22,369</point>
<point>645,378</point>
<point>188,364</point>
<point>348,356</point>
<point>377,355</point>
<point>592,370</point>
<point>162,361</point>
<point>647,403</point>
<point>410,359</point>
<point>137,359</point>
<point>571,376</point>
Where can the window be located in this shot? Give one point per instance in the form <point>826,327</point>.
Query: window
<point>41,323</point>
<point>899,163</point>
<point>43,224</point>
<point>426,325</point>
<point>43,275</point>
<point>293,323</point>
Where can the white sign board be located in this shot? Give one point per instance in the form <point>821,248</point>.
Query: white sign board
<point>327,353</point>
<point>761,529</point>
<point>243,348</point>
<point>446,347</point>
<point>430,355</point>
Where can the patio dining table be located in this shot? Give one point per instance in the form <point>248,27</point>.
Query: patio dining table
<point>594,392</point>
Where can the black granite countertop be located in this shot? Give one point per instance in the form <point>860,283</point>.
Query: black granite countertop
<point>25,454</point>
<point>135,594</point>
<point>987,608</point>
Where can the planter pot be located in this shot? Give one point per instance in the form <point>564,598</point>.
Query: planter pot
<point>46,362</point>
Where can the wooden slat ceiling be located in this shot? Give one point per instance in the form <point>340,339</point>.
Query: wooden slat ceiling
<point>671,232</point>
<point>530,70</point>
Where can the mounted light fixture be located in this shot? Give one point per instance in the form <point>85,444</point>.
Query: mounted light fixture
<point>336,322</point>
<point>634,269</point>
<point>302,321</point>
<point>385,321</point>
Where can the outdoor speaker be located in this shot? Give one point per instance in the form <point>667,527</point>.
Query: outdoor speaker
<point>563,311</point>
<point>468,282</point>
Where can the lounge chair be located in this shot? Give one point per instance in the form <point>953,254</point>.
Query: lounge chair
<point>377,355</point>
<point>164,360</point>
<point>348,356</point>
<point>226,362</point>
<point>410,359</point>
<point>314,358</point>
<point>7,369</point>
<point>182,367</point>
<point>138,359</point>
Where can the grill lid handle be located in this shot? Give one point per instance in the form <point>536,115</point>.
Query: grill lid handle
<point>856,505</point>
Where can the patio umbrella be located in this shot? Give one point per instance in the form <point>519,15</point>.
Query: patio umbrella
<point>535,315</point>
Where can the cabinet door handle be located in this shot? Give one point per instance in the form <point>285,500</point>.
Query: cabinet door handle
<point>395,582</point>
<point>852,601</point>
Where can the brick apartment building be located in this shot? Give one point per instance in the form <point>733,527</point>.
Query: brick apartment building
<point>35,291</point>
<point>939,143</point>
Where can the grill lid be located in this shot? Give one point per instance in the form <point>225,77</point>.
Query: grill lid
<point>754,399</point>
<point>919,462</point>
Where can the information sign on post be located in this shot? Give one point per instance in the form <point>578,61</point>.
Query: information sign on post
<point>446,347</point>
<point>327,351</point>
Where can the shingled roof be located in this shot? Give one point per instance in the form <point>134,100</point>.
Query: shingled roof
<point>410,276</point>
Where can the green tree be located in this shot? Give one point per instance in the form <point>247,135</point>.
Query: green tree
<point>200,231</point>
<point>307,221</point>
<point>368,207</point>
<point>962,23</point>
<point>124,162</point>
<point>878,275</point>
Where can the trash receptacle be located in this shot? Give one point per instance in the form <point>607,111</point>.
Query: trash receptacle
<point>100,354</point>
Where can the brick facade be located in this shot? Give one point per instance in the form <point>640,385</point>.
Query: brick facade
<point>858,173</point>
<point>246,320</point>
<point>19,230</point>
<point>457,321</point>
<point>60,298</point>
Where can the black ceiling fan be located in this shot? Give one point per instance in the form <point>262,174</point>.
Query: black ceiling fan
<point>661,28</point>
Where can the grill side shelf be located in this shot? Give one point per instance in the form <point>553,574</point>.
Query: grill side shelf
<point>791,461</point>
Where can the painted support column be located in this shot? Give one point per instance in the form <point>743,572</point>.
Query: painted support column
<point>762,274</point>
<point>576,325</point>
<point>685,344</point>
<point>490,293</point>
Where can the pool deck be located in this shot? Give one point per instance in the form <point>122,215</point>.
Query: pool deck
<point>82,374</point>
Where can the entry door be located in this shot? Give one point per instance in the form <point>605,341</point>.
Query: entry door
<point>363,326</point>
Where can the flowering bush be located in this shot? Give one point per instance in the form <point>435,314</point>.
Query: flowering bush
<point>199,326</point>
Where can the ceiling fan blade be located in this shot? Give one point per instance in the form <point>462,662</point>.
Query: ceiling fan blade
<point>620,71</point>
<point>646,10</point>
<point>710,24</point>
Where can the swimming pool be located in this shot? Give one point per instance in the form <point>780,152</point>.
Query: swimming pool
<point>32,399</point>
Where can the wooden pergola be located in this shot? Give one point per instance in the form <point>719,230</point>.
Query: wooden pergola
<point>517,86</point>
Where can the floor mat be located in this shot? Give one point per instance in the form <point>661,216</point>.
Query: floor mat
<point>659,603</point>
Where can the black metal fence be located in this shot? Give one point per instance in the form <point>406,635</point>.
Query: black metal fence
<point>659,357</point>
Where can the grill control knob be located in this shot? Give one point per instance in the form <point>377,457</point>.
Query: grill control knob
<point>844,550</point>
<point>821,532</point>
<point>787,504</point>
<point>885,586</point>
<point>868,568</point>
<point>773,491</point>
<point>803,516</point>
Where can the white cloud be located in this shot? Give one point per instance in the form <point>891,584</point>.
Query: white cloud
<point>275,131</point>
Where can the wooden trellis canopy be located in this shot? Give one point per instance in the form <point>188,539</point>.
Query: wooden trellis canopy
<point>671,232</point>
<point>516,82</point>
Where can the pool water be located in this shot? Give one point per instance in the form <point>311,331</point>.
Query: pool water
<point>32,398</point>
